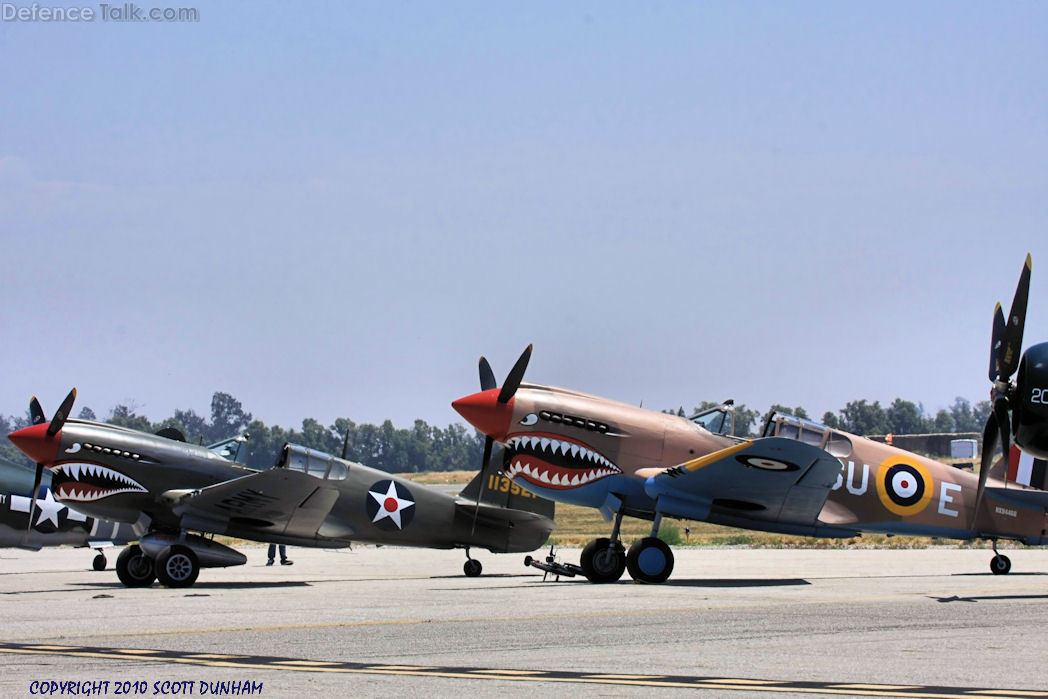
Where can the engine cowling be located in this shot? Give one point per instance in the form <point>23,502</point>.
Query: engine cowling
<point>1031,404</point>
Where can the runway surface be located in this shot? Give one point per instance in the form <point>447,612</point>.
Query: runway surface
<point>730,622</point>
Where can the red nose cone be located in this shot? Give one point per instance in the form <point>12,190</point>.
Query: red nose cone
<point>36,444</point>
<point>483,411</point>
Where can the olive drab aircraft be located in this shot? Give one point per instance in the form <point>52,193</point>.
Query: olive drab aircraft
<point>180,495</point>
<point>798,478</point>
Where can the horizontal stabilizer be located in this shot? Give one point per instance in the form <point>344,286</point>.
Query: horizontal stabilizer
<point>1029,499</point>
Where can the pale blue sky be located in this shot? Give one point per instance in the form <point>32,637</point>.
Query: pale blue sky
<point>334,210</point>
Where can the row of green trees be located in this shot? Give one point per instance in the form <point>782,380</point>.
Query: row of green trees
<point>424,447</point>
<point>865,418</point>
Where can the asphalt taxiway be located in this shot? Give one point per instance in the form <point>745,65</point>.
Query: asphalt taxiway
<point>730,622</point>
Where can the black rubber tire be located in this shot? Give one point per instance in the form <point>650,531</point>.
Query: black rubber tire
<point>177,567</point>
<point>1000,565</point>
<point>602,562</point>
<point>134,568</point>
<point>472,568</point>
<point>99,562</point>
<point>657,553</point>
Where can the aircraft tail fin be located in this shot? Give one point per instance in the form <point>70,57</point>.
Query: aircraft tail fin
<point>492,488</point>
<point>1026,470</point>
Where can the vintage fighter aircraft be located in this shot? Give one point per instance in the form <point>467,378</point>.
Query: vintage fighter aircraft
<point>798,478</point>
<point>169,488</point>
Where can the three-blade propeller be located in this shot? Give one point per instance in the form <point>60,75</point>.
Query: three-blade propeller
<point>509,389</point>
<point>36,414</point>
<point>1005,349</point>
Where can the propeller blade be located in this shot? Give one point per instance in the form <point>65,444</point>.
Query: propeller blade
<point>1004,428</point>
<point>1008,356</point>
<point>516,374</point>
<point>989,443</point>
<point>995,341</point>
<point>32,501</point>
<point>487,376</point>
<point>36,412</point>
<point>62,414</point>
<point>488,444</point>
<point>345,445</point>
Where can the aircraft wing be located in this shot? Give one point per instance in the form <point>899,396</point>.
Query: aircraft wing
<point>277,501</point>
<point>771,479</point>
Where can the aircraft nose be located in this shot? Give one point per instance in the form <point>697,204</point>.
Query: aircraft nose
<point>483,411</point>
<point>36,443</point>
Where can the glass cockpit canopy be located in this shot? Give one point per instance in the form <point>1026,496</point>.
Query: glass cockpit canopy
<point>312,462</point>
<point>718,420</point>
<point>790,427</point>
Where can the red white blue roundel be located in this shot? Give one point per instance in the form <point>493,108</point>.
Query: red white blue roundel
<point>390,506</point>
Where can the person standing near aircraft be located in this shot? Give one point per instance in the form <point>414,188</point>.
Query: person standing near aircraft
<point>283,555</point>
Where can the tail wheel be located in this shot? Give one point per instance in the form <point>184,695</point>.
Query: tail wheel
<point>603,561</point>
<point>472,568</point>
<point>177,567</point>
<point>1000,565</point>
<point>650,560</point>
<point>99,562</point>
<point>134,568</point>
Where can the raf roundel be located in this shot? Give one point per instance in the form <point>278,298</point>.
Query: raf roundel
<point>390,505</point>
<point>766,463</point>
<point>904,485</point>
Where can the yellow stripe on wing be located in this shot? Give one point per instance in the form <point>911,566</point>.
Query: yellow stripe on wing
<point>696,464</point>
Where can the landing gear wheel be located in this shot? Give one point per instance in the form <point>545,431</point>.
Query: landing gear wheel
<point>177,567</point>
<point>1000,565</point>
<point>603,561</point>
<point>472,568</point>
<point>134,568</point>
<point>99,563</point>
<point>650,560</point>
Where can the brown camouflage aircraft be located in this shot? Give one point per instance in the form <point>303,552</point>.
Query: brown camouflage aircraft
<point>799,477</point>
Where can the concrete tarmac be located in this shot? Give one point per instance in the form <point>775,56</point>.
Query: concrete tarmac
<point>730,622</point>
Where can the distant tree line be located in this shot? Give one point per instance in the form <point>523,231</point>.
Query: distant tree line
<point>865,418</point>
<point>424,447</point>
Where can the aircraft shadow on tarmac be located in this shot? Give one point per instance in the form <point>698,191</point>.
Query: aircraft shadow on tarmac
<point>719,583</point>
<point>276,584</point>
<point>990,598</point>
<point>738,582</point>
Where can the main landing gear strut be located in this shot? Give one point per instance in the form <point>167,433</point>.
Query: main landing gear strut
<point>999,564</point>
<point>174,560</point>
<point>648,560</point>
<point>472,567</point>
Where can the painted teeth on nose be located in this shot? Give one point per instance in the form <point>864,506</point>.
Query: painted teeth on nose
<point>574,450</point>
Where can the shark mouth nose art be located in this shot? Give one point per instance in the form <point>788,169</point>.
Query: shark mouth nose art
<point>555,462</point>
<point>90,482</point>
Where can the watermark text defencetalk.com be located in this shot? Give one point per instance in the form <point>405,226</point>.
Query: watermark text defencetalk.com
<point>105,12</point>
